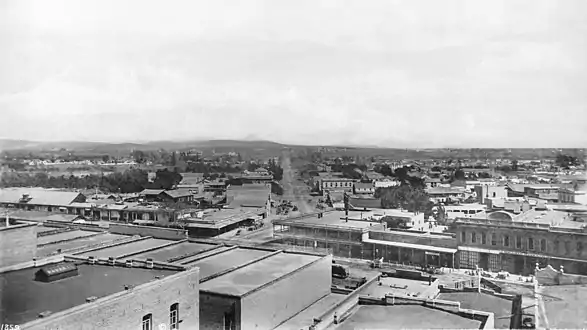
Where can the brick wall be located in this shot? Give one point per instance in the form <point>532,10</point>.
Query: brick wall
<point>125,310</point>
<point>274,304</point>
<point>155,232</point>
<point>212,310</point>
<point>18,244</point>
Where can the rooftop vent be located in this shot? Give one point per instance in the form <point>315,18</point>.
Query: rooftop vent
<point>56,272</point>
<point>91,299</point>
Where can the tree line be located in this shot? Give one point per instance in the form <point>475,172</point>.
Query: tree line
<point>129,181</point>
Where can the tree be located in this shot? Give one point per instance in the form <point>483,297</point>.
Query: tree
<point>394,223</point>
<point>459,175</point>
<point>165,179</point>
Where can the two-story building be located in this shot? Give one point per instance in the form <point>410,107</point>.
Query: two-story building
<point>515,243</point>
<point>445,195</point>
<point>361,188</point>
<point>336,184</point>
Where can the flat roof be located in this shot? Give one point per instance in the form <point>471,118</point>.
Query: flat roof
<point>412,246</point>
<point>306,317</point>
<point>405,317</point>
<point>395,285</point>
<point>500,307</point>
<point>333,219</point>
<point>565,306</point>
<point>28,297</point>
<point>42,229</point>
<point>174,251</point>
<point>192,259</point>
<point>243,280</point>
<point>77,243</point>
<point>67,235</point>
<point>220,262</point>
<point>127,248</point>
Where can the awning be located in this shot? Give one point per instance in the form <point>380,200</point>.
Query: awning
<point>412,246</point>
<point>433,253</point>
<point>480,250</point>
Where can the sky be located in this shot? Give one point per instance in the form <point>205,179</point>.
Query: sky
<point>415,73</point>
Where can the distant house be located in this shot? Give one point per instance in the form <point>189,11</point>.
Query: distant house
<point>152,195</point>
<point>432,182</point>
<point>445,195</point>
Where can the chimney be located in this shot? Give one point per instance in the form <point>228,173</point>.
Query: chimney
<point>129,263</point>
<point>112,261</point>
<point>92,260</point>
<point>150,263</point>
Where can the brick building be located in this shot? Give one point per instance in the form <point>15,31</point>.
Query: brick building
<point>102,296</point>
<point>515,243</point>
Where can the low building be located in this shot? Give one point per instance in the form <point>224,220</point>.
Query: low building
<point>363,236</point>
<point>214,222</point>
<point>386,183</point>
<point>39,199</point>
<point>432,182</point>
<point>464,211</point>
<point>445,195</point>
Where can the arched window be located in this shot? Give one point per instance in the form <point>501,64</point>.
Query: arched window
<point>473,237</point>
<point>493,239</point>
<point>148,322</point>
<point>174,316</point>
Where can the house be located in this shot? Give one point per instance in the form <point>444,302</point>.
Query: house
<point>152,195</point>
<point>484,191</point>
<point>445,195</point>
<point>336,184</point>
<point>364,188</point>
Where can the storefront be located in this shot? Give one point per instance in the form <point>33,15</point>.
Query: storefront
<point>472,258</point>
<point>400,252</point>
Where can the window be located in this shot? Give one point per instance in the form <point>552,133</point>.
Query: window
<point>483,238</point>
<point>518,242</point>
<point>493,194</point>
<point>543,245</point>
<point>473,237</point>
<point>493,239</point>
<point>463,236</point>
<point>148,322</point>
<point>174,316</point>
<point>506,240</point>
<point>530,243</point>
<point>579,246</point>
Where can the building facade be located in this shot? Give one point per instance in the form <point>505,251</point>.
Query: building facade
<point>500,242</point>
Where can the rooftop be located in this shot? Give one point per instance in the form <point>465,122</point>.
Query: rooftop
<point>77,243</point>
<point>253,276</point>
<point>443,190</point>
<point>38,196</point>
<point>28,297</point>
<point>128,248</point>
<point>565,306</point>
<point>500,307</point>
<point>174,251</point>
<point>334,219</point>
<point>226,259</point>
<point>67,235</point>
<point>405,317</point>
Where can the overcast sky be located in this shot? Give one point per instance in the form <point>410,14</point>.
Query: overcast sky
<point>380,72</point>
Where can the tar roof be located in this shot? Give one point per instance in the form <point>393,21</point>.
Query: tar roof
<point>227,259</point>
<point>405,317</point>
<point>500,307</point>
<point>28,297</point>
<point>253,276</point>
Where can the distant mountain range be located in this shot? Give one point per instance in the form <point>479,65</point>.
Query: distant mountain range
<point>263,145</point>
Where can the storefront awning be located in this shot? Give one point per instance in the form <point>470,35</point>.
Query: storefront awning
<point>412,246</point>
<point>480,250</point>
